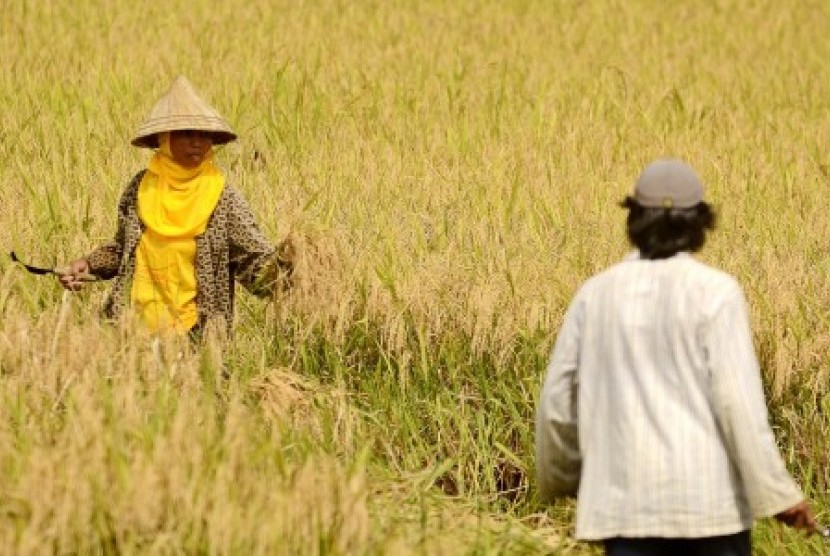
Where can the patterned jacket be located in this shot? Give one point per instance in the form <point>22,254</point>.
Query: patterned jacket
<point>232,247</point>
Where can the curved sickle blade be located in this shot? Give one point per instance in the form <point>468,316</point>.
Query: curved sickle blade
<point>30,268</point>
<point>58,272</point>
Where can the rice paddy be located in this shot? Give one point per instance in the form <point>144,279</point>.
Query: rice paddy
<point>451,173</point>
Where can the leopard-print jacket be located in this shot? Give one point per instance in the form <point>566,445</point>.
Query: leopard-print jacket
<point>231,247</point>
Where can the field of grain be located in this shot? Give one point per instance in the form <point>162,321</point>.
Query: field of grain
<point>451,171</point>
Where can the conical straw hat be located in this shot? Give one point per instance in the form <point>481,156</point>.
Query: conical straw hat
<point>181,108</point>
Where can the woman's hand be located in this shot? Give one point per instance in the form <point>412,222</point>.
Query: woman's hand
<point>72,279</point>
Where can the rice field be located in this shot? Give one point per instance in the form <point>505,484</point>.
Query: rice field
<point>451,172</point>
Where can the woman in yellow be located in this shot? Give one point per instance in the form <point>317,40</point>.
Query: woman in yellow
<point>184,235</point>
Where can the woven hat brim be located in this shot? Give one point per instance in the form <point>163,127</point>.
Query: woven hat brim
<point>147,134</point>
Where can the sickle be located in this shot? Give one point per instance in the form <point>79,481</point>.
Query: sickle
<point>56,271</point>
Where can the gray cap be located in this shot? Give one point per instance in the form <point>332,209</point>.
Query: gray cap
<point>670,184</point>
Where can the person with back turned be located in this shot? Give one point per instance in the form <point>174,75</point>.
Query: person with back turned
<point>652,411</point>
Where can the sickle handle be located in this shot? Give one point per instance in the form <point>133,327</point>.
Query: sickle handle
<point>82,277</point>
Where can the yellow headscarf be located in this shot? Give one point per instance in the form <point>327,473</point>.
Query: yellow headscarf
<point>174,203</point>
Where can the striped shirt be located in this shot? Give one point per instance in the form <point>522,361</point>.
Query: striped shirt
<point>652,411</point>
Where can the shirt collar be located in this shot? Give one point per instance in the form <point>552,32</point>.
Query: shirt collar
<point>634,255</point>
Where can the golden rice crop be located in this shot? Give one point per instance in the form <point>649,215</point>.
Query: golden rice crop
<point>450,171</point>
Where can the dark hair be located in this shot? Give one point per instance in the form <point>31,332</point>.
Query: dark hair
<point>660,233</point>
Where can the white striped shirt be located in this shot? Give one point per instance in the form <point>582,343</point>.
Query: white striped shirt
<point>653,407</point>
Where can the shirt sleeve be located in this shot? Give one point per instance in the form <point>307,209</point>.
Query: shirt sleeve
<point>259,266</point>
<point>741,410</point>
<point>105,260</point>
<point>558,459</point>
